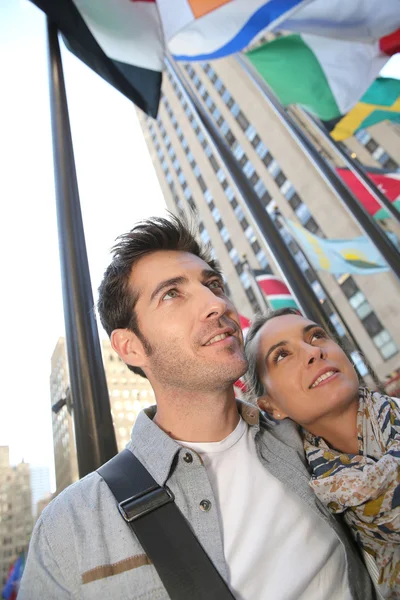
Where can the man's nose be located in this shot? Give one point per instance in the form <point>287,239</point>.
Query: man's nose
<point>212,306</point>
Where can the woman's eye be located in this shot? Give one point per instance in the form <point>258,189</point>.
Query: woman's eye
<point>170,294</point>
<point>318,335</point>
<point>280,355</point>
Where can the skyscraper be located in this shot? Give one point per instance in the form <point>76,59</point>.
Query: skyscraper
<point>15,511</point>
<point>194,179</point>
<point>40,486</point>
<point>129,394</point>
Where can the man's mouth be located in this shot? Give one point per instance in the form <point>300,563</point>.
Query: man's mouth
<point>322,378</point>
<point>217,338</point>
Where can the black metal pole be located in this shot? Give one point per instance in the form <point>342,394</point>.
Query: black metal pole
<point>362,218</point>
<point>371,371</point>
<point>353,166</point>
<point>295,279</point>
<point>262,299</point>
<point>94,430</point>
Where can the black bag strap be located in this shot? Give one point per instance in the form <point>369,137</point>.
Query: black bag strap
<point>167,538</point>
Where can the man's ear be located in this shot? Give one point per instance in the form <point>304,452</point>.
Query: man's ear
<point>128,347</point>
<point>267,405</point>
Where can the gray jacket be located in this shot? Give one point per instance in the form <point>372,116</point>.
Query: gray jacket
<point>82,549</point>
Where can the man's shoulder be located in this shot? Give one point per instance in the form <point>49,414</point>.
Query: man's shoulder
<point>285,432</point>
<point>87,496</point>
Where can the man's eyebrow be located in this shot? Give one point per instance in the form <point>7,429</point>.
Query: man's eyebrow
<point>207,273</point>
<point>306,329</point>
<point>167,283</point>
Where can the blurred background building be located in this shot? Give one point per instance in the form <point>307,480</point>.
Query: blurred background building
<point>16,520</point>
<point>40,486</point>
<point>193,179</point>
<point>129,394</point>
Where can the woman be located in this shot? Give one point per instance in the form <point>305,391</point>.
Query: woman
<point>351,434</point>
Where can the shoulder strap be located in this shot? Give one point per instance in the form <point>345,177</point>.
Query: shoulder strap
<point>167,538</point>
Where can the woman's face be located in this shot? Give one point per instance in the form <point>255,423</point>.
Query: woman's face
<point>306,375</point>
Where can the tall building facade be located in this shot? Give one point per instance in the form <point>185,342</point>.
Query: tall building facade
<point>40,486</point>
<point>129,394</point>
<point>195,180</point>
<point>16,521</point>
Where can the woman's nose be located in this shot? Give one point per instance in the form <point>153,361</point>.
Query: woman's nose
<point>313,353</point>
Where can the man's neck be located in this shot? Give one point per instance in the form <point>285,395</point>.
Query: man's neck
<point>200,417</point>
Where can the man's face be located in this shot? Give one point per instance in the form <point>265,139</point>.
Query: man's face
<point>305,373</point>
<point>190,331</point>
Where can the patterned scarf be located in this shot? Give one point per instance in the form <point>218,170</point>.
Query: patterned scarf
<point>366,487</point>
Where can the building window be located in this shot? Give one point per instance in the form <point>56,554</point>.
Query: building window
<point>295,201</point>
<point>254,178</point>
<point>371,146</point>
<point>391,165</point>
<point>385,344</point>
<point>241,119</point>
<point>255,141</point>
<point>362,307</point>
<point>244,223</point>
<point>202,183</point>
<point>280,179</point>
<point>230,138</point>
<point>312,226</point>
<point>214,163</point>
<point>267,160</point>
<point>303,212</point>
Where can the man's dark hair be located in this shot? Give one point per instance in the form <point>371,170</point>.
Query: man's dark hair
<point>254,386</point>
<point>117,300</point>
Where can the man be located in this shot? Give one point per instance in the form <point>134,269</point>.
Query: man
<point>243,489</point>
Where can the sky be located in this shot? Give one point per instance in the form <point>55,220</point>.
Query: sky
<point>117,185</point>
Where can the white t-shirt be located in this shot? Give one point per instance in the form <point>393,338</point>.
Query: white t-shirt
<point>275,546</point>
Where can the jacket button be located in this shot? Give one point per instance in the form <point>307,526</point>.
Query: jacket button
<point>188,458</point>
<point>205,505</point>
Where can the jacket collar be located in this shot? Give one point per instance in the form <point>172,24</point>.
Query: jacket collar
<point>156,450</point>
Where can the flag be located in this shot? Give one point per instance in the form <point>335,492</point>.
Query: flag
<point>244,324</point>
<point>389,185</point>
<point>203,31</point>
<point>14,577</point>
<point>121,40</point>
<point>357,256</point>
<point>326,76</point>
<point>275,291</point>
<point>362,21</point>
<point>381,102</point>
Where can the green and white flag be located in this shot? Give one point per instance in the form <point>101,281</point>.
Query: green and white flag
<point>326,76</point>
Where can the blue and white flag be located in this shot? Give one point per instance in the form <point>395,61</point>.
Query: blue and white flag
<point>357,256</point>
<point>201,31</point>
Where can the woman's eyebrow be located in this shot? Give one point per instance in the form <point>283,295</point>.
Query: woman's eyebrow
<point>284,342</point>
<point>274,347</point>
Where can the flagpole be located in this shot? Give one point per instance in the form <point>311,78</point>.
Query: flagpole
<point>371,371</point>
<point>360,215</point>
<point>358,171</point>
<point>262,300</point>
<point>287,265</point>
<point>94,430</point>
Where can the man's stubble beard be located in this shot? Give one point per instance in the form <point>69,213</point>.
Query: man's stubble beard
<point>175,371</point>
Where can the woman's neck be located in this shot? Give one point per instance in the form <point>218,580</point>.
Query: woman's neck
<point>339,430</point>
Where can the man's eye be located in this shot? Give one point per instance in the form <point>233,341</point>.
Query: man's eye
<point>215,285</point>
<point>170,294</point>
